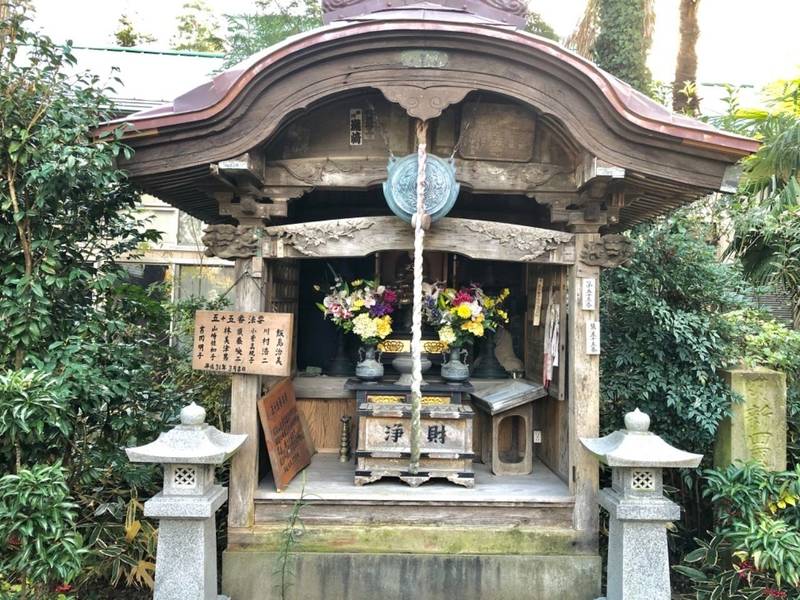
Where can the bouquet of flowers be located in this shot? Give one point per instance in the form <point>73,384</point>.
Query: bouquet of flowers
<point>362,307</point>
<point>461,314</point>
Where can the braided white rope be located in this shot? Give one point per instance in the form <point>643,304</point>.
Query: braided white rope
<point>416,309</point>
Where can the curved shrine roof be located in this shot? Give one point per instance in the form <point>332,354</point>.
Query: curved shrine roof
<point>211,97</point>
<point>668,159</point>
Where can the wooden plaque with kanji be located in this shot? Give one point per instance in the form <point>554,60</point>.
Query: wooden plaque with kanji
<point>288,448</point>
<point>243,343</point>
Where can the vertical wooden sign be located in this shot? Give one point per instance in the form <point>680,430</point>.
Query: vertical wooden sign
<point>592,337</point>
<point>289,451</point>
<point>537,306</point>
<point>588,293</point>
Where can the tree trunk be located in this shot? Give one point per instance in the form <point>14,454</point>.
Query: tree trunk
<point>686,64</point>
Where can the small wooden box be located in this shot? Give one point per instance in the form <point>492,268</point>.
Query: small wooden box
<point>507,405</point>
<point>384,443</point>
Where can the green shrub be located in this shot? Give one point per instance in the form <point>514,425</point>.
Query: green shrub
<point>754,551</point>
<point>665,336</point>
<point>38,529</point>
<point>87,366</point>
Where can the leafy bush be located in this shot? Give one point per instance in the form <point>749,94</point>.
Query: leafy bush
<point>754,551</point>
<point>765,214</point>
<point>665,336</point>
<point>37,524</point>
<point>87,366</point>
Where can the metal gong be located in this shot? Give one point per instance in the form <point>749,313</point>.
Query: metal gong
<point>400,187</point>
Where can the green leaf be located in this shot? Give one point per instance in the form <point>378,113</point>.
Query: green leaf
<point>691,573</point>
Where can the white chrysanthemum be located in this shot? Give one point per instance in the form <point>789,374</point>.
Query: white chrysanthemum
<point>447,335</point>
<point>364,326</point>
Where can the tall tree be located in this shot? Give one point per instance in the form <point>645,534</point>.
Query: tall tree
<point>536,24</point>
<point>766,212</point>
<point>127,36</point>
<point>198,29</point>
<point>684,87</point>
<point>272,22</point>
<point>617,35</point>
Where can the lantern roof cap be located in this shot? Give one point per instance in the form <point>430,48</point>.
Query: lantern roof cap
<point>191,442</point>
<point>637,446</point>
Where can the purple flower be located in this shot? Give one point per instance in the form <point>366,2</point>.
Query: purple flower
<point>380,309</point>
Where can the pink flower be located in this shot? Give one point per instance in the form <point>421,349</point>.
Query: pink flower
<point>390,296</point>
<point>461,297</point>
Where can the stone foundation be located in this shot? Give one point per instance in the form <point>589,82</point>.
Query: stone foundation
<point>248,575</point>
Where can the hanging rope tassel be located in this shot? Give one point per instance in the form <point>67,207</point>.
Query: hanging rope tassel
<point>421,223</point>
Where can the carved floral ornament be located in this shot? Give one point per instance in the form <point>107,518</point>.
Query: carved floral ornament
<point>231,241</point>
<point>613,250</point>
<point>310,237</point>
<point>531,242</point>
<point>357,236</point>
<point>424,102</point>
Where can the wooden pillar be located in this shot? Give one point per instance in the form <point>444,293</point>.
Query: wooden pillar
<point>584,388</point>
<point>245,392</point>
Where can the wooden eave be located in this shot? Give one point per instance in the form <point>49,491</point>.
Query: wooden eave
<point>675,159</point>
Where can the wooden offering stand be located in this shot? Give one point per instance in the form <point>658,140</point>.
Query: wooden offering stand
<point>383,444</point>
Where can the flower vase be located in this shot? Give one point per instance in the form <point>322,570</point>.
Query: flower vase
<point>369,366</point>
<point>454,367</point>
<point>487,366</point>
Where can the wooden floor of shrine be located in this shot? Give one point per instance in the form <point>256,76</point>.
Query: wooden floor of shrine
<point>327,485</point>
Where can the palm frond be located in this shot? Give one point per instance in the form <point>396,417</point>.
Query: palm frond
<point>582,39</point>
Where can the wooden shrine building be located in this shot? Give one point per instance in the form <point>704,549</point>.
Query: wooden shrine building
<point>554,159</point>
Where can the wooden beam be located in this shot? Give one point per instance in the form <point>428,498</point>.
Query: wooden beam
<point>247,168</point>
<point>584,389</point>
<point>592,169</point>
<point>245,392</point>
<point>361,173</point>
<point>487,240</point>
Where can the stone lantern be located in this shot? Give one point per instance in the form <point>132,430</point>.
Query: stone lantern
<point>638,564</point>
<point>186,557</point>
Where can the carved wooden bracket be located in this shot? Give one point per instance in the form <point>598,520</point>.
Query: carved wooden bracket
<point>231,241</point>
<point>360,236</point>
<point>422,101</point>
<point>611,250</point>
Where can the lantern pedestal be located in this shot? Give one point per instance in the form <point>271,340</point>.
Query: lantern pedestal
<point>187,544</point>
<point>638,561</point>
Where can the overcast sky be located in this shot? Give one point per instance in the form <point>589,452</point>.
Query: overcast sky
<point>742,41</point>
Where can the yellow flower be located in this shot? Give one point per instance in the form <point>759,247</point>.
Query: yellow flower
<point>464,311</point>
<point>502,314</point>
<point>479,318</point>
<point>504,294</point>
<point>357,282</point>
<point>488,302</point>
<point>384,326</point>
<point>474,328</point>
<point>358,303</point>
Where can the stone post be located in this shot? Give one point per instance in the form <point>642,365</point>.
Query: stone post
<point>186,556</point>
<point>638,563</point>
<point>756,429</point>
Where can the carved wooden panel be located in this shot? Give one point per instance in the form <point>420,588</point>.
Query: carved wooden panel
<point>360,236</point>
<point>493,131</point>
